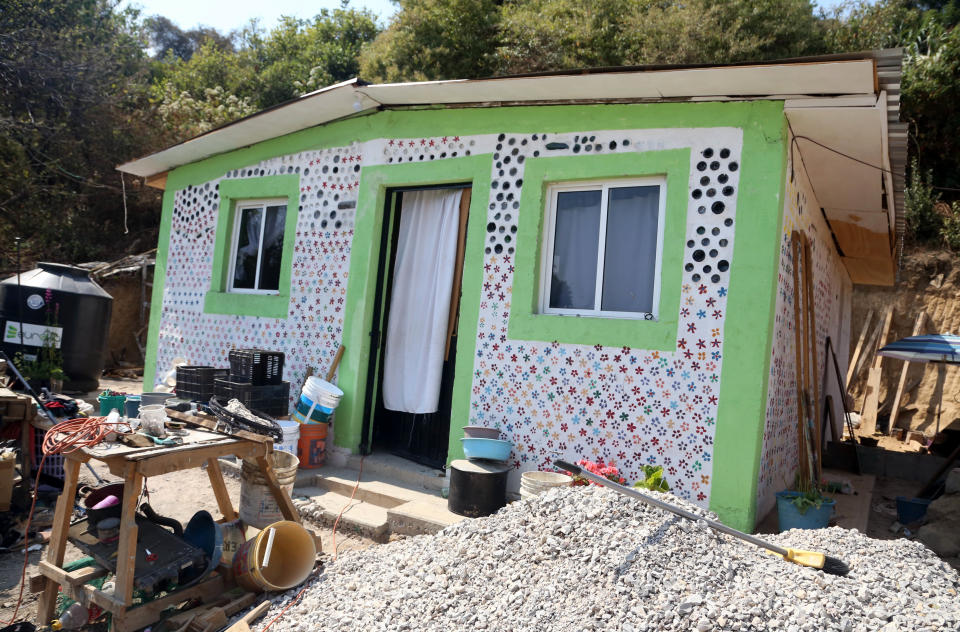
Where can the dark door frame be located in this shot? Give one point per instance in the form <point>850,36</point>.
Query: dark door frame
<point>385,259</point>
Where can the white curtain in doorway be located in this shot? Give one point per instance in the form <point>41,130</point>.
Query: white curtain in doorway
<point>420,302</point>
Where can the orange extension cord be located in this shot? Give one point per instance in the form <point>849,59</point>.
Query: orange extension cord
<point>63,438</point>
<point>307,583</point>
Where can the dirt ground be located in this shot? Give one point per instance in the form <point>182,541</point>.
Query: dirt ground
<point>929,281</point>
<point>178,495</point>
<point>883,511</point>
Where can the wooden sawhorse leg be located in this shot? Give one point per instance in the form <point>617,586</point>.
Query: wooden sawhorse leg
<point>220,490</point>
<point>58,539</point>
<point>283,499</point>
<point>127,544</point>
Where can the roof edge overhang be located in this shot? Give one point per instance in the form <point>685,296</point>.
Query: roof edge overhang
<point>819,93</point>
<point>814,76</point>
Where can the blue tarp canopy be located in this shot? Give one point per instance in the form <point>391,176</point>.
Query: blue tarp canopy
<point>943,348</point>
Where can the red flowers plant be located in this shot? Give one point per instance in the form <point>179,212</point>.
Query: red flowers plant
<point>606,470</point>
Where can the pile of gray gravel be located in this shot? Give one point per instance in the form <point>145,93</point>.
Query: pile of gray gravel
<point>591,559</point>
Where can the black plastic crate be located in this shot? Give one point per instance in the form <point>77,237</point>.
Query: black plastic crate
<point>256,366</point>
<point>272,399</point>
<point>196,382</point>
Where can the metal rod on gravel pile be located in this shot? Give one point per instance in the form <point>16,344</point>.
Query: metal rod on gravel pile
<point>812,559</point>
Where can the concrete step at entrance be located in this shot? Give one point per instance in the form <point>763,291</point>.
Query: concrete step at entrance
<point>411,508</point>
<point>419,516</point>
<point>374,488</point>
<point>324,506</point>
<point>400,470</point>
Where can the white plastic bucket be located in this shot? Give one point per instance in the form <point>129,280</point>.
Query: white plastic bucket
<point>534,482</point>
<point>291,436</point>
<point>322,391</point>
<point>257,505</point>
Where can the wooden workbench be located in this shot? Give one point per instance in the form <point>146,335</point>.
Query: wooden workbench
<point>16,408</point>
<point>133,465</point>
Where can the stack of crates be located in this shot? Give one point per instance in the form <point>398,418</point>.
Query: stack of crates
<point>256,379</point>
<point>196,382</point>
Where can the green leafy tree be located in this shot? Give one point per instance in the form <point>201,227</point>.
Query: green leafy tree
<point>550,34</point>
<point>73,105</point>
<point>920,199</point>
<point>436,39</point>
<point>166,38</point>
<point>216,84</point>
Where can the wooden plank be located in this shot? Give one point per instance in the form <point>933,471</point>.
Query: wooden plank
<point>194,456</point>
<point>798,347</point>
<point>141,616</point>
<point>812,374</point>
<point>333,365</point>
<point>26,454</point>
<point>874,271</point>
<point>127,545</point>
<point>58,539</point>
<point>209,422</point>
<point>457,271</point>
<point>871,402</point>
<point>220,490</point>
<point>869,349</point>
<point>157,180</point>
<point>898,396</point>
<point>283,500</point>
<point>858,350</point>
<point>74,578</point>
<point>36,584</point>
<point>243,625</point>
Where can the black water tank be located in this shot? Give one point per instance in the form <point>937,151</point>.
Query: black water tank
<point>82,310</point>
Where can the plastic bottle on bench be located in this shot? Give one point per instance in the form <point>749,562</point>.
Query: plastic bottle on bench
<point>73,618</point>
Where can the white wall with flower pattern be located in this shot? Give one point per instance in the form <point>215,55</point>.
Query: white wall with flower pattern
<point>832,293</point>
<point>622,404</point>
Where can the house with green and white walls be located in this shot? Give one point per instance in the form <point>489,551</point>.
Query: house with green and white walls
<point>600,264</point>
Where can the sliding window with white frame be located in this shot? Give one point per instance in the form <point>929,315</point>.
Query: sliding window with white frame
<point>602,248</point>
<point>257,246</point>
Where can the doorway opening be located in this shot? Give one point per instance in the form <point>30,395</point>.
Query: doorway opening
<point>416,313</point>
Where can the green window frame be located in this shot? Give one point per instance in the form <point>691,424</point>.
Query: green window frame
<point>526,320</point>
<point>234,192</point>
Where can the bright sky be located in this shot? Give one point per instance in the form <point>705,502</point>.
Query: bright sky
<point>227,15</point>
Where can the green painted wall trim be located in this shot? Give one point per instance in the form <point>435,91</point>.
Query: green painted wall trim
<point>156,295</point>
<point>218,300</point>
<point>527,324</point>
<point>748,328</point>
<point>361,288</point>
<point>431,123</point>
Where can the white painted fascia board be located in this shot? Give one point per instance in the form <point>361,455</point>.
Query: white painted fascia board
<point>843,101</point>
<point>824,78</point>
<point>885,155</point>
